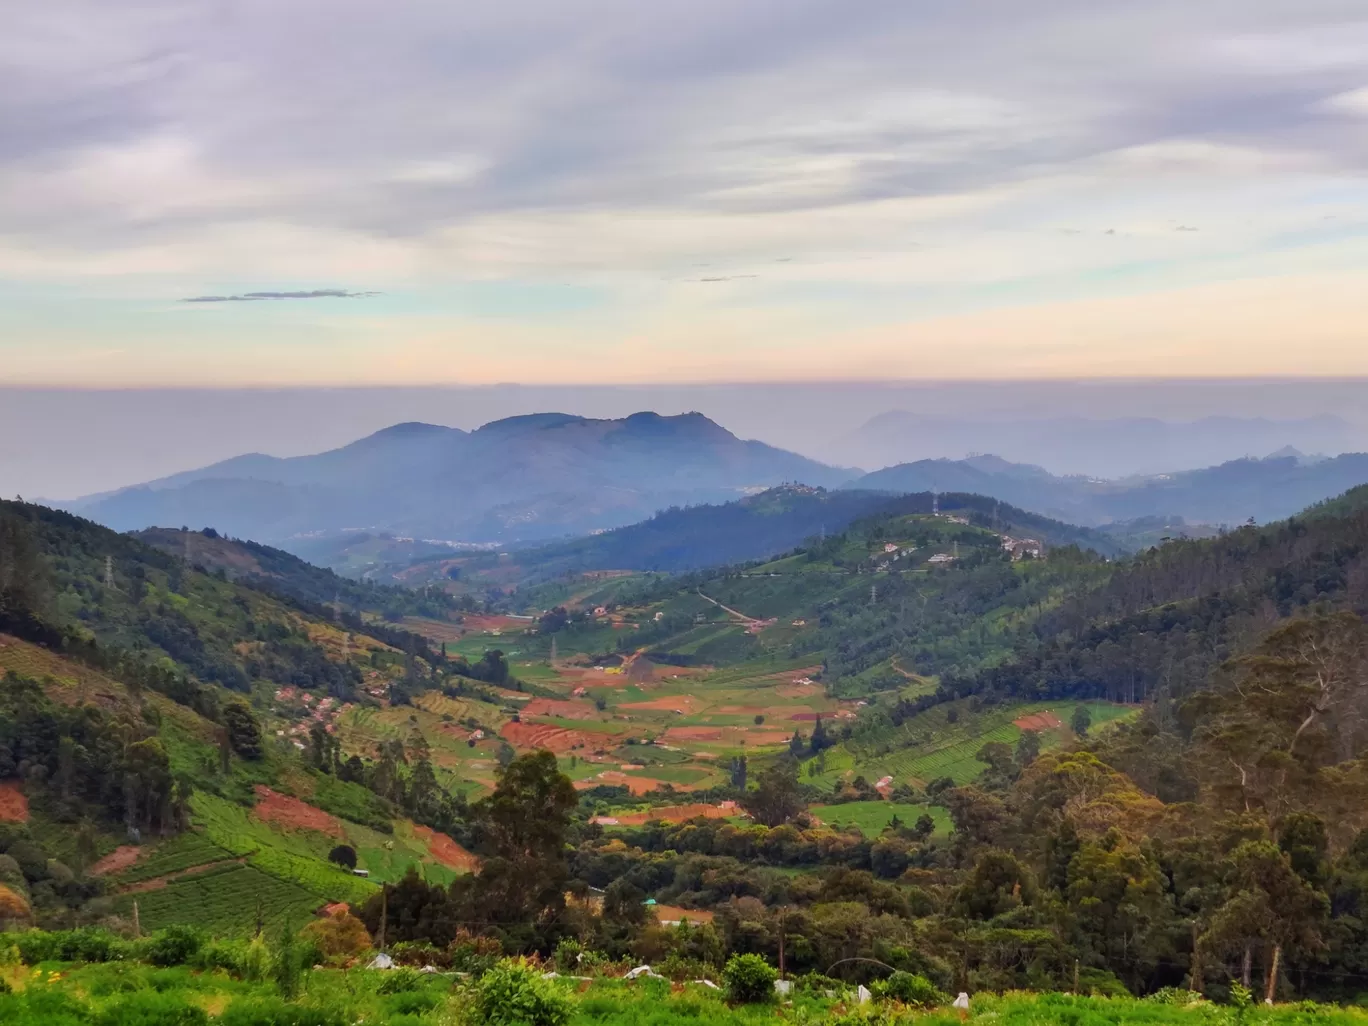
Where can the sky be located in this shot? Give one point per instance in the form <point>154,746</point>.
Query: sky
<point>219,193</point>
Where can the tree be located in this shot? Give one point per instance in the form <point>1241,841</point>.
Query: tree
<point>527,816</point>
<point>1081,721</point>
<point>738,772</point>
<point>776,798</point>
<point>244,733</point>
<point>797,746</point>
<point>1271,735</point>
<point>924,827</point>
<point>820,740</point>
<point>1268,904</point>
<point>997,883</point>
<point>343,855</point>
<point>1027,749</point>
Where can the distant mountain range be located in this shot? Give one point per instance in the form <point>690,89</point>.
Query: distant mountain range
<point>1098,447</point>
<point>534,477</point>
<point>1266,489</point>
<point>553,476</point>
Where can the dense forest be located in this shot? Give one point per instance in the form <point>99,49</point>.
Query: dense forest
<point>1218,836</point>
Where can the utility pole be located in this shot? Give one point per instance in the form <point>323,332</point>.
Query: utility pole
<point>384,914</point>
<point>137,923</point>
<point>553,649</point>
<point>1195,984</point>
<point>1273,975</point>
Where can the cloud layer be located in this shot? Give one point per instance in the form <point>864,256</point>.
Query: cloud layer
<point>561,181</point>
<point>252,297</point>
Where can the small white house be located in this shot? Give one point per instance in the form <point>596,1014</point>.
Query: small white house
<point>361,872</point>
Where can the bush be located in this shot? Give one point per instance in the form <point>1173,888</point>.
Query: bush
<point>514,992</point>
<point>400,981</point>
<point>341,934</point>
<point>910,989</point>
<point>749,979</point>
<point>175,945</point>
<point>149,1008</point>
<point>274,1012</point>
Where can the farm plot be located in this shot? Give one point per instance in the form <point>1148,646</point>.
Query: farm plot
<point>224,901</point>
<point>870,818</point>
<point>181,852</point>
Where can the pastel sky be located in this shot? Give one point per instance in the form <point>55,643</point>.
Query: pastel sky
<point>618,191</point>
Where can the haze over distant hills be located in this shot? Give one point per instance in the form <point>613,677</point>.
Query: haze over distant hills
<point>1266,489</point>
<point>553,476</point>
<point>1096,446</point>
<point>538,476</point>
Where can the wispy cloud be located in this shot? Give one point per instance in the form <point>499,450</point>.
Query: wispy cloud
<point>250,297</point>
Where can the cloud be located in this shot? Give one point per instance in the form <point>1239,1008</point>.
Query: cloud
<point>904,162</point>
<point>248,297</point>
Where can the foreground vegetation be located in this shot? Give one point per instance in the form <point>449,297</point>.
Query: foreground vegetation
<point>177,981</point>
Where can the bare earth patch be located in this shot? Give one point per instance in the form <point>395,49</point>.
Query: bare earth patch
<point>679,813</point>
<point>13,805</point>
<point>693,734</point>
<point>1039,721</point>
<point>123,857</point>
<point>273,807</point>
<point>445,850</point>
<point>566,708</point>
<point>552,738</point>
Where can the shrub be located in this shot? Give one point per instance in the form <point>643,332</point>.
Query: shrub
<point>175,945</point>
<point>340,934</point>
<point>514,992</point>
<point>400,981</point>
<point>149,1008</point>
<point>274,1012</point>
<point>749,978</point>
<point>910,989</point>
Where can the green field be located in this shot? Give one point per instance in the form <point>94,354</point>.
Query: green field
<point>130,992</point>
<point>872,817</point>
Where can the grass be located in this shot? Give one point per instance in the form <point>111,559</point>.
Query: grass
<point>124,992</point>
<point>223,901</point>
<point>872,817</point>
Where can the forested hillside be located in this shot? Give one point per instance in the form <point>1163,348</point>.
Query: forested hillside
<point>947,743</point>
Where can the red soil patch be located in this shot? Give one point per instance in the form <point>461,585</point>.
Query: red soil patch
<point>121,858</point>
<point>637,785</point>
<point>767,737</point>
<point>675,914</point>
<point>743,710</point>
<point>445,850</point>
<point>798,690</point>
<point>158,882</point>
<point>13,805</point>
<point>559,707</point>
<point>677,814</point>
<point>273,807</point>
<point>552,738</point>
<point>810,717</point>
<point>679,704</point>
<point>1039,721</point>
<point>693,734</point>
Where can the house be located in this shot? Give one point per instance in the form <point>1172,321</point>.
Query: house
<point>890,546</point>
<point>361,872</point>
<point>941,558</point>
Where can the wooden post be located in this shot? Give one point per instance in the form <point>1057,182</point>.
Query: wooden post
<point>137,923</point>
<point>1195,984</point>
<point>384,914</point>
<point>1075,987</point>
<point>1273,974</point>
